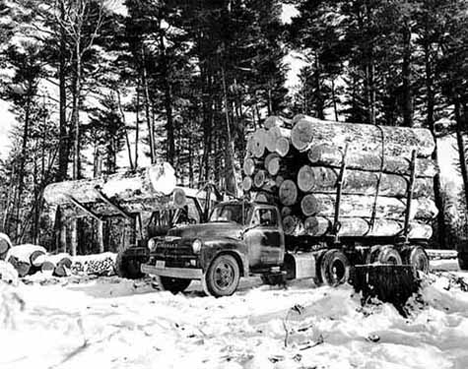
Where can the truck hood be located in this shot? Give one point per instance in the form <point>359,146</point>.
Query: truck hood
<point>208,230</point>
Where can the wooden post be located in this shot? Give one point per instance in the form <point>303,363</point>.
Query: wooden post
<point>100,235</point>
<point>74,236</point>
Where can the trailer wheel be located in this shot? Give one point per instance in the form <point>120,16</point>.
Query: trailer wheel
<point>222,276</point>
<point>389,255</point>
<point>334,268</point>
<point>419,259</point>
<point>174,285</point>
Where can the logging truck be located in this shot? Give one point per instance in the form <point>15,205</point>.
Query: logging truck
<point>320,200</point>
<point>323,196</point>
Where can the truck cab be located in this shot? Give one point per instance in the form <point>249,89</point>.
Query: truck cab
<point>241,238</point>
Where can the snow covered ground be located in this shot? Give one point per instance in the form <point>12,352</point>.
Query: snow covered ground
<point>117,323</point>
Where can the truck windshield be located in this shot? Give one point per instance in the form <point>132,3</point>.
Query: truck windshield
<point>230,213</point>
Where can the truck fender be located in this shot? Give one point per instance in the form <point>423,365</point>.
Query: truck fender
<point>241,259</point>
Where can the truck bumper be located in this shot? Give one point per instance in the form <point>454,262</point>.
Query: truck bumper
<point>183,273</point>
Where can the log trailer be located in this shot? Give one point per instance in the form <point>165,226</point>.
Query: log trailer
<point>248,237</point>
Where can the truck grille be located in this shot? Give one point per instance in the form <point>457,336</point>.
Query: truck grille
<point>175,255</point>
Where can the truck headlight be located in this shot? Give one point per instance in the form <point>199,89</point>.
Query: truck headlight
<point>196,246</point>
<point>152,244</point>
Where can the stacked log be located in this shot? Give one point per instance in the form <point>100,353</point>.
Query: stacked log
<point>5,245</point>
<point>296,165</point>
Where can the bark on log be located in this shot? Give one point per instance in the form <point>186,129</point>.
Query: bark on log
<point>361,227</point>
<point>323,179</point>
<point>398,141</point>
<point>362,207</point>
<point>332,156</point>
<point>288,193</point>
<point>157,180</point>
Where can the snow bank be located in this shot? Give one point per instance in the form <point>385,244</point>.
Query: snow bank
<point>116,323</point>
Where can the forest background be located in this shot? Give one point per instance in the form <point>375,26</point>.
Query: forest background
<point>100,86</point>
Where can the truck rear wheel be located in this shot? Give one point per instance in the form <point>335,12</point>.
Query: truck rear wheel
<point>334,268</point>
<point>419,259</point>
<point>174,285</point>
<point>222,276</point>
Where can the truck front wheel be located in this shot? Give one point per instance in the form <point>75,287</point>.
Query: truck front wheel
<point>334,268</point>
<point>222,276</point>
<point>174,285</point>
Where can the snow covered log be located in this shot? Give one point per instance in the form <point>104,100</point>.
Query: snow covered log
<point>327,155</point>
<point>360,227</point>
<point>26,258</point>
<point>8,274</point>
<point>391,141</point>
<point>324,179</point>
<point>157,180</point>
<point>5,245</point>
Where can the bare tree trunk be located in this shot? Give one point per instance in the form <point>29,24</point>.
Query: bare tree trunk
<point>127,139</point>
<point>335,107</point>
<point>64,140</point>
<point>137,123</point>
<point>441,226</point>
<point>231,185</point>
<point>406,76</point>
<point>167,100</point>
<point>22,165</point>
<point>461,146</point>
<point>149,120</point>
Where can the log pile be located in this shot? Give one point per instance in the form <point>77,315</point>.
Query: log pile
<point>296,164</point>
<point>30,259</point>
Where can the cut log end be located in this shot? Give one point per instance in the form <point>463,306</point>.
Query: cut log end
<point>288,193</point>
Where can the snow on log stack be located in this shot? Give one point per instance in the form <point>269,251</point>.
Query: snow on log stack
<point>297,163</point>
<point>29,259</point>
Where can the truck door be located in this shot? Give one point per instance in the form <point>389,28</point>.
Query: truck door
<point>264,238</point>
